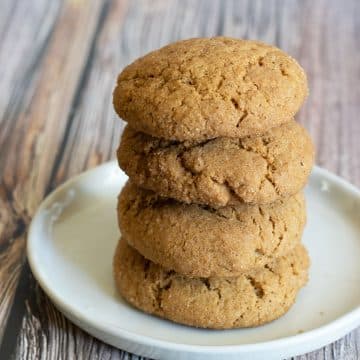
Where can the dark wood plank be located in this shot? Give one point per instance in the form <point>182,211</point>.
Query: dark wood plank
<point>322,35</point>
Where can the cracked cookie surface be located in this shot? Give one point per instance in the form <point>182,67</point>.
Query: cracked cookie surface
<point>251,299</point>
<point>210,87</point>
<point>200,241</point>
<point>221,171</point>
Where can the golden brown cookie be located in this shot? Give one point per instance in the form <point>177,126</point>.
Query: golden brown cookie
<point>199,241</point>
<point>221,171</point>
<point>251,299</point>
<point>210,87</point>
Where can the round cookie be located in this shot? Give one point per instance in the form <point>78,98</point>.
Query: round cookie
<point>221,171</point>
<point>199,241</point>
<point>210,87</point>
<point>251,299</point>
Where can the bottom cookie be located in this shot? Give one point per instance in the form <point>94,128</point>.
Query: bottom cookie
<point>252,299</point>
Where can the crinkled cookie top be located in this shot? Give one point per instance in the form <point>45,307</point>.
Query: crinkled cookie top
<point>209,87</point>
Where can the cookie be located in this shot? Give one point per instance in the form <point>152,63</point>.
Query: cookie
<point>200,241</point>
<point>251,299</point>
<point>221,171</point>
<point>204,88</point>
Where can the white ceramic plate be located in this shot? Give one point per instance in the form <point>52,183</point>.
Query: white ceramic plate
<point>71,243</point>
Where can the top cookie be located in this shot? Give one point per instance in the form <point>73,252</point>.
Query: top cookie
<point>209,87</point>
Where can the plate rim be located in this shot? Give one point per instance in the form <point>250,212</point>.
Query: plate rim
<point>348,321</point>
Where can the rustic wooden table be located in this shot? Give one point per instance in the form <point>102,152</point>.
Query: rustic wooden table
<point>58,63</point>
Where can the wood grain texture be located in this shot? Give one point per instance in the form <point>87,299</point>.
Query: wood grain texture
<point>33,135</point>
<point>17,83</point>
<point>56,119</point>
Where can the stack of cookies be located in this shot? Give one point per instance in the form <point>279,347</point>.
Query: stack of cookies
<point>212,216</point>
